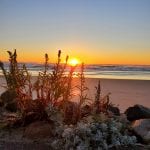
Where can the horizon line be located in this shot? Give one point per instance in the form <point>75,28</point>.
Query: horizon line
<point>103,64</point>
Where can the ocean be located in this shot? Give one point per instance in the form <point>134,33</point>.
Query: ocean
<point>137,72</point>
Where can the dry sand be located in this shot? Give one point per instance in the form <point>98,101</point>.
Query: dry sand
<point>124,93</point>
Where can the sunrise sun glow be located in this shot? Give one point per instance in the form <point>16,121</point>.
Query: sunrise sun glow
<point>74,62</point>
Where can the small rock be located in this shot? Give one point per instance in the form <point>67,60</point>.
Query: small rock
<point>8,99</point>
<point>115,110</point>
<point>39,130</point>
<point>137,112</point>
<point>142,128</point>
<point>8,96</point>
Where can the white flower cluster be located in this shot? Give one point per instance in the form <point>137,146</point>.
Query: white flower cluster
<point>93,136</point>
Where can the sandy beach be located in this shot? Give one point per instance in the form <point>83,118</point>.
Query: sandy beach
<point>124,93</point>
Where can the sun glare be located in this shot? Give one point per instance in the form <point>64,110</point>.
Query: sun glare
<point>73,62</point>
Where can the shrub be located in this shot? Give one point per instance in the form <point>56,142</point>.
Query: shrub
<point>53,89</point>
<point>18,80</point>
<point>101,104</point>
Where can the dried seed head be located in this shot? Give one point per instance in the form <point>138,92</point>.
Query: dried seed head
<point>59,53</point>
<point>46,57</point>
<point>67,57</point>
<point>15,53</point>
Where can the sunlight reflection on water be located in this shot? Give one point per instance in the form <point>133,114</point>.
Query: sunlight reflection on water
<point>138,74</point>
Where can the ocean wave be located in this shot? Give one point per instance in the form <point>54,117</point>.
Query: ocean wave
<point>104,71</point>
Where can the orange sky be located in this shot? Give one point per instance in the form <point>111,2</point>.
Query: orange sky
<point>83,56</point>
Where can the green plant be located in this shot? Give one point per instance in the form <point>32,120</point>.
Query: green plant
<point>10,75</point>
<point>101,104</point>
<point>67,97</point>
<point>59,81</point>
<point>50,87</point>
<point>55,89</point>
<point>18,80</point>
<point>97,98</point>
<point>83,98</point>
<point>24,91</point>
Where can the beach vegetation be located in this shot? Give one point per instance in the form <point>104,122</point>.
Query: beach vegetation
<point>101,104</point>
<point>83,124</point>
<point>83,98</point>
<point>52,90</point>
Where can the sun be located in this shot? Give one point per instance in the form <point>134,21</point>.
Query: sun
<point>74,62</point>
